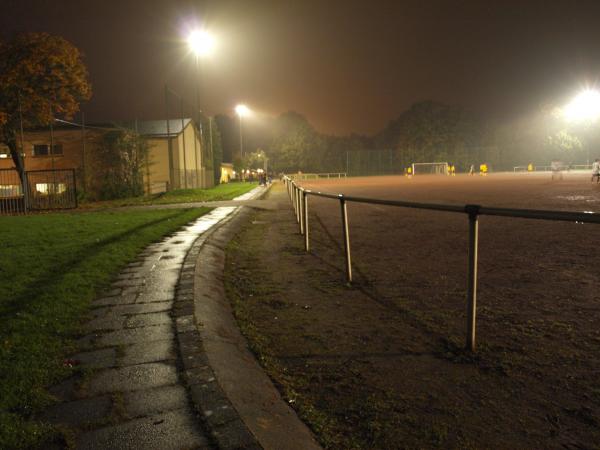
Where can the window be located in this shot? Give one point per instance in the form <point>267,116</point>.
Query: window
<point>40,149</point>
<point>44,149</point>
<point>10,190</point>
<point>50,188</point>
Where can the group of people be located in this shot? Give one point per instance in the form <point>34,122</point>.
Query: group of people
<point>263,179</point>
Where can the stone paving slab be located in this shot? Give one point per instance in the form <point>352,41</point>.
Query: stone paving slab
<point>115,300</point>
<point>153,401</point>
<point>134,335</point>
<point>137,308</point>
<point>142,356</point>
<point>142,320</point>
<point>79,412</point>
<point>145,352</point>
<point>97,359</point>
<point>173,430</point>
<point>131,378</point>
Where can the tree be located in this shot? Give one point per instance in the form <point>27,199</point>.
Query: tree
<point>217,151</point>
<point>41,77</point>
<point>431,131</point>
<point>295,144</point>
<point>229,137</point>
<point>563,144</point>
<point>119,165</point>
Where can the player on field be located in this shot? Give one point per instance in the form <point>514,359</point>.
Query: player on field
<point>596,171</point>
<point>556,168</point>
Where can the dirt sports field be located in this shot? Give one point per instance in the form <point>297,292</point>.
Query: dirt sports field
<point>380,364</point>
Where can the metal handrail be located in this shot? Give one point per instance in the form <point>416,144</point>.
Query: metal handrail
<point>299,198</point>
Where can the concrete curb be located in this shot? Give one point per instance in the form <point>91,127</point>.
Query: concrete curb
<point>220,418</point>
<point>237,401</point>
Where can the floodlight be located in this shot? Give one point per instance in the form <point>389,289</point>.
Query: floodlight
<point>242,110</point>
<point>585,107</point>
<point>201,42</point>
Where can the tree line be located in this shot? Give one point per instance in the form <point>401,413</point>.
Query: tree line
<point>426,132</point>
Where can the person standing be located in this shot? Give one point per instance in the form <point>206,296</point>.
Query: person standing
<point>596,170</point>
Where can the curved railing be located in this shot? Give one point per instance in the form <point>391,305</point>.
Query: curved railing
<point>299,198</point>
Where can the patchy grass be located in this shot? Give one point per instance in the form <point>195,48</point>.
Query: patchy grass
<point>376,365</point>
<point>51,267</point>
<point>227,191</point>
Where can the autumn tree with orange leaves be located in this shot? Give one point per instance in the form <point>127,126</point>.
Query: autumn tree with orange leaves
<point>42,77</point>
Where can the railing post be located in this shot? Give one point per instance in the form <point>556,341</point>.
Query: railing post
<point>472,211</point>
<point>305,201</point>
<point>344,211</point>
<point>301,210</point>
<point>295,203</point>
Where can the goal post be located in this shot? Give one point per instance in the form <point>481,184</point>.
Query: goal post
<point>432,168</point>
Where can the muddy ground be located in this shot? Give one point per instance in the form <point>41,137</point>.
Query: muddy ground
<point>380,364</point>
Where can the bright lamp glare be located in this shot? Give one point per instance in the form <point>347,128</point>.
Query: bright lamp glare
<point>584,107</point>
<point>242,110</point>
<point>201,43</point>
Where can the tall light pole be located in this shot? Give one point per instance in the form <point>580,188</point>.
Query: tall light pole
<point>202,44</point>
<point>242,111</point>
<point>584,109</point>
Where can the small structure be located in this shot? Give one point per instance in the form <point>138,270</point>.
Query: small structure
<point>176,157</point>
<point>227,172</point>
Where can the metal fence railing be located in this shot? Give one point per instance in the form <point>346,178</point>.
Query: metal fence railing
<point>299,199</point>
<point>12,200</point>
<point>316,176</point>
<point>549,168</point>
<point>52,189</point>
<point>46,189</point>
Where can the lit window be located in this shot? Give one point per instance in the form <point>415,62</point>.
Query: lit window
<point>42,188</point>
<point>10,190</point>
<point>50,188</point>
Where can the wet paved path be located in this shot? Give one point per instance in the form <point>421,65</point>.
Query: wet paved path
<point>132,397</point>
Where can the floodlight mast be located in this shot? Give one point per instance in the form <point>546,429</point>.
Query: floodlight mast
<point>585,107</point>
<point>201,43</point>
<point>242,111</point>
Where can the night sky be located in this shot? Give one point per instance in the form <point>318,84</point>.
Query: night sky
<point>348,66</point>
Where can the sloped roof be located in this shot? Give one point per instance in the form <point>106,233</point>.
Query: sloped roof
<point>147,128</point>
<point>158,128</point>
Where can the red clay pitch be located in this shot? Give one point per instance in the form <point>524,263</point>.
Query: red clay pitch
<point>538,293</point>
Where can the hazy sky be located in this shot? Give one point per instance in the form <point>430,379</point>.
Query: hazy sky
<point>348,66</point>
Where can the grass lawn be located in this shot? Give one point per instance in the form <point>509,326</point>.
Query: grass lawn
<point>221,192</point>
<point>51,267</point>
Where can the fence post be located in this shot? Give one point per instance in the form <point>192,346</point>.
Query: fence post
<point>305,201</point>
<point>344,211</point>
<point>298,212</point>
<point>472,211</point>
<point>301,210</point>
<point>294,202</point>
<point>74,188</point>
